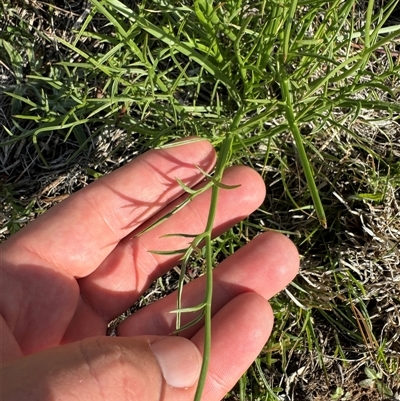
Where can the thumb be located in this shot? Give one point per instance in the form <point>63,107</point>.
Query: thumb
<point>143,368</point>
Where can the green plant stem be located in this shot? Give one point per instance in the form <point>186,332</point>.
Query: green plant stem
<point>223,160</point>
<point>208,297</point>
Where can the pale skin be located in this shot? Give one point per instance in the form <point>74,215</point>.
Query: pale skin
<point>80,264</point>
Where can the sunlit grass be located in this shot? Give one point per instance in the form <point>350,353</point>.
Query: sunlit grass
<point>289,88</point>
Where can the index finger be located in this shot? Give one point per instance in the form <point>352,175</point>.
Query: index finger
<point>76,235</point>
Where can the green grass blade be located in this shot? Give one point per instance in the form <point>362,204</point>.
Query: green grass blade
<point>285,84</point>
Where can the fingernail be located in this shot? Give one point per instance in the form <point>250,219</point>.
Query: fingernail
<point>179,359</point>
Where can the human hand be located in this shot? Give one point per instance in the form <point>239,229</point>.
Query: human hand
<point>79,265</point>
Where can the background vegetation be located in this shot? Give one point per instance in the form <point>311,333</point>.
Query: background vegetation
<point>309,92</point>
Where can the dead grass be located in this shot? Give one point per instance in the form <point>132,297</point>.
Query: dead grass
<point>343,312</point>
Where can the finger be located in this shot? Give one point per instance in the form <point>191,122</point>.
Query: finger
<point>264,266</point>
<point>130,268</point>
<point>239,332</point>
<point>9,347</point>
<point>105,368</point>
<point>76,235</point>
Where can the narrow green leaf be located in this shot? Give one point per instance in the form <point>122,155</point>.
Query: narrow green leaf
<point>180,235</point>
<point>173,252</point>
<point>285,84</point>
<point>185,187</point>
<point>16,60</point>
<point>190,324</point>
<point>189,309</point>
